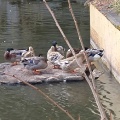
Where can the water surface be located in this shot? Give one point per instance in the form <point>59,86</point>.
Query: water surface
<point>28,22</point>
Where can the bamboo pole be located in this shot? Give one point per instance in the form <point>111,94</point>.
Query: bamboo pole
<point>78,117</point>
<point>103,115</point>
<point>41,92</point>
<point>110,116</point>
<point>81,41</point>
<point>66,40</point>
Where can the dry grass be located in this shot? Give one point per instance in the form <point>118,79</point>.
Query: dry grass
<point>108,4</point>
<point>114,4</point>
<point>100,4</point>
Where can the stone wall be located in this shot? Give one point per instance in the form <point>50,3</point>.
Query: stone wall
<point>105,35</point>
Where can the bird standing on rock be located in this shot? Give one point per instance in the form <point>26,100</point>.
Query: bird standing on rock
<point>29,53</point>
<point>53,56</point>
<point>55,53</point>
<point>58,48</point>
<point>35,64</point>
<point>76,50</point>
<point>94,54</point>
<point>69,64</point>
<point>14,55</point>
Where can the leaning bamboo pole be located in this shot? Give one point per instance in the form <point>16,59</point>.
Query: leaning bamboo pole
<point>79,117</point>
<point>61,31</point>
<point>103,117</point>
<point>81,41</point>
<point>41,92</point>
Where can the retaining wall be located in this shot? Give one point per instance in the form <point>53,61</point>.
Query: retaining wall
<point>105,35</point>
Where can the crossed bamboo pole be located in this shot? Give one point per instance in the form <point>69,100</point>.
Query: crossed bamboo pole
<point>94,90</point>
<point>91,84</point>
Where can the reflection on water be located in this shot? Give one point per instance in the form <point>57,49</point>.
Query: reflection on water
<point>23,103</point>
<point>28,22</point>
<point>108,89</point>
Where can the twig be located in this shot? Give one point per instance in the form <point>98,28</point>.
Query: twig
<point>93,87</point>
<point>110,116</point>
<point>46,96</point>
<point>78,117</point>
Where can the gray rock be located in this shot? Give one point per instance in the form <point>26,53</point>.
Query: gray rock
<point>16,74</point>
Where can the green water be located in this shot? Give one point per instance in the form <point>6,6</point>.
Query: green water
<point>28,22</point>
<point>23,103</point>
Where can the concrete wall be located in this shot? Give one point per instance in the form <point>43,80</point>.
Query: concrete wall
<point>105,35</point>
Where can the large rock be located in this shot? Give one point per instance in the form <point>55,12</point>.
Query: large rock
<point>14,74</point>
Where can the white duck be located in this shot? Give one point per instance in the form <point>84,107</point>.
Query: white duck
<point>69,64</point>
<point>29,53</point>
<point>76,50</point>
<point>53,55</point>
<point>58,48</point>
<point>94,54</point>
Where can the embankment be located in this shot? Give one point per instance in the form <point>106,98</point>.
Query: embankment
<point>105,33</point>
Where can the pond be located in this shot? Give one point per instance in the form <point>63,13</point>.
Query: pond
<point>26,23</point>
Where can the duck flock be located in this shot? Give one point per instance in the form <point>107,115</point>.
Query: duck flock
<point>56,56</point>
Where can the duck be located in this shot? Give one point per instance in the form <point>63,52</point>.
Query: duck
<point>76,50</point>
<point>29,53</point>
<point>35,64</point>
<point>94,51</point>
<point>53,55</point>
<point>94,54</point>
<point>14,55</point>
<point>69,64</point>
<point>58,48</point>
<point>92,57</point>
